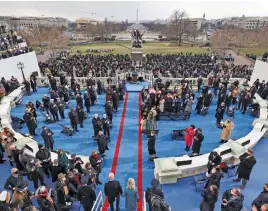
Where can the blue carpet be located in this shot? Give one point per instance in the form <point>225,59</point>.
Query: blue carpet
<point>137,87</point>
<point>182,195</point>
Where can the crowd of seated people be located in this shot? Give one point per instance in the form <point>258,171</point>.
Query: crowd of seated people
<point>254,57</point>
<point>9,85</point>
<point>99,50</point>
<point>170,65</point>
<point>15,52</point>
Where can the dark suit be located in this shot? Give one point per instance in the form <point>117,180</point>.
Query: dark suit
<point>245,166</point>
<point>113,190</point>
<point>86,195</point>
<point>153,191</point>
<point>48,139</point>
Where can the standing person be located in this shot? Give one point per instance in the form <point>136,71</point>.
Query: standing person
<point>214,159</point>
<point>86,195</point>
<point>55,170</point>
<point>22,194</point>
<point>227,128</point>
<point>30,122</point>
<point>44,156</point>
<point>153,191</point>
<point>13,180</point>
<point>113,190</point>
<point>131,195</point>
<point>189,136</point>
<point>96,122</point>
<point>106,125</point>
<point>102,143</point>
<point>151,143</point>
<point>33,84</point>
<point>53,108</point>
<point>232,200</point>
<point>198,139</point>
<point>247,161</point>
<point>210,197</point>
<point>87,101</point>
<point>215,177</point>
<point>219,114</point>
<point>115,99</point>
<point>199,83</point>
<point>261,199</point>
<point>80,115</point>
<point>63,160</point>
<point>46,101</point>
<point>200,102</point>
<point>246,102</point>
<point>109,111</point>
<point>61,107</point>
<point>47,136</point>
<point>36,173</point>
<point>96,160</point>
<point>73,119</point>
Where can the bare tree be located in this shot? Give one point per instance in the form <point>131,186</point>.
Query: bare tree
<point>179,22</point>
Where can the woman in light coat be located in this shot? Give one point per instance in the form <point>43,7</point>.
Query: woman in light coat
<point>189,104</point>
<point>131,195</point>
<point>161,105</point>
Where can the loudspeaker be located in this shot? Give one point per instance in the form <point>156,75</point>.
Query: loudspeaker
<point>245,143</point>
<point>184,162</point>
<point>224,152</point>
<point>137,56</point>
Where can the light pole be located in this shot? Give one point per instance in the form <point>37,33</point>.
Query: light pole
<point>20,66</point>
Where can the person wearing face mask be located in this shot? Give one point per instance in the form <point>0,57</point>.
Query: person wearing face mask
<point>22,193</point>
<point>13,180</point>
<point>232,200</point>
<point>47,135</point>
<point>106,125</point>
<point>46,199</point>
<point>261,200</point>
<point>97,124</point>
<point>62,190</point>
<point>247,162</point>
<point>96,161</point>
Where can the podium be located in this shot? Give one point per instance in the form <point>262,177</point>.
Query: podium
<point>134,77</point>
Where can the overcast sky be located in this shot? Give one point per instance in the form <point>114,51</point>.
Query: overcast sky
<point>122,10</point>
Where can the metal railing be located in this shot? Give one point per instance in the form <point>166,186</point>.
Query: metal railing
<point>97,206</point>
<point>144,208</point>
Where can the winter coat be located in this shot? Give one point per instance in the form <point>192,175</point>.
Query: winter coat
<point>226,131</point>
<point>232,204</point>
<point>209,200</point>
<point>189,136</point>
<point>245,166</point>
<point>132,198</point>
<point>48,139</point>
<point>261,199</point>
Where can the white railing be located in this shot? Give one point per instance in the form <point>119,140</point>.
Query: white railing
<point>97,206</point>
<point>144,208</point>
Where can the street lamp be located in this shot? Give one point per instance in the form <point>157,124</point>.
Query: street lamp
<point>20,66</point>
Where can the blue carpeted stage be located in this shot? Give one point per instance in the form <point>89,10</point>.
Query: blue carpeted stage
<point>181,196</point>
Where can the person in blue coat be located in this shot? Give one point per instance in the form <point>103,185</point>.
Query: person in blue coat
<point>131,195</point>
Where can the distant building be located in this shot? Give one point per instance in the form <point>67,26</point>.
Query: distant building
<point>32,22</point>
<point>249,23</point>
<point>82,23</point>
<point>197,22</point>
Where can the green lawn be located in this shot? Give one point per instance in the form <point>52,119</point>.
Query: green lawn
<point>256,51</point>
<point>151,47</point>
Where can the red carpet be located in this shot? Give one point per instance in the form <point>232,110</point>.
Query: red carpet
<point>139,156</point>
<point>117,148</point>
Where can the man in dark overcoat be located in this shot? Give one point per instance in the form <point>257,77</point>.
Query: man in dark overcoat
<point>247,161</point>
<point>47,135</point>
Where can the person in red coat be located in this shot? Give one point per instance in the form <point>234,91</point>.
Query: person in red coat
<point>189,137</point>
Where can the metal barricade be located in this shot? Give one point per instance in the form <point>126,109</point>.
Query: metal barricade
<point>144,208</point>
<point>97,206</point>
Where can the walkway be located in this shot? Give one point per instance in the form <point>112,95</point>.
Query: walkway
<point>240,59</point>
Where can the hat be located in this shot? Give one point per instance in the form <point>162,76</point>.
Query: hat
<point>155,183</point>
<point>21,185</point>
<point>73,155</point>
<point>84,180</point>
<point>13,170</point>
<point>3,196</point>
<point>40,146</point>
<point>61,175</point>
